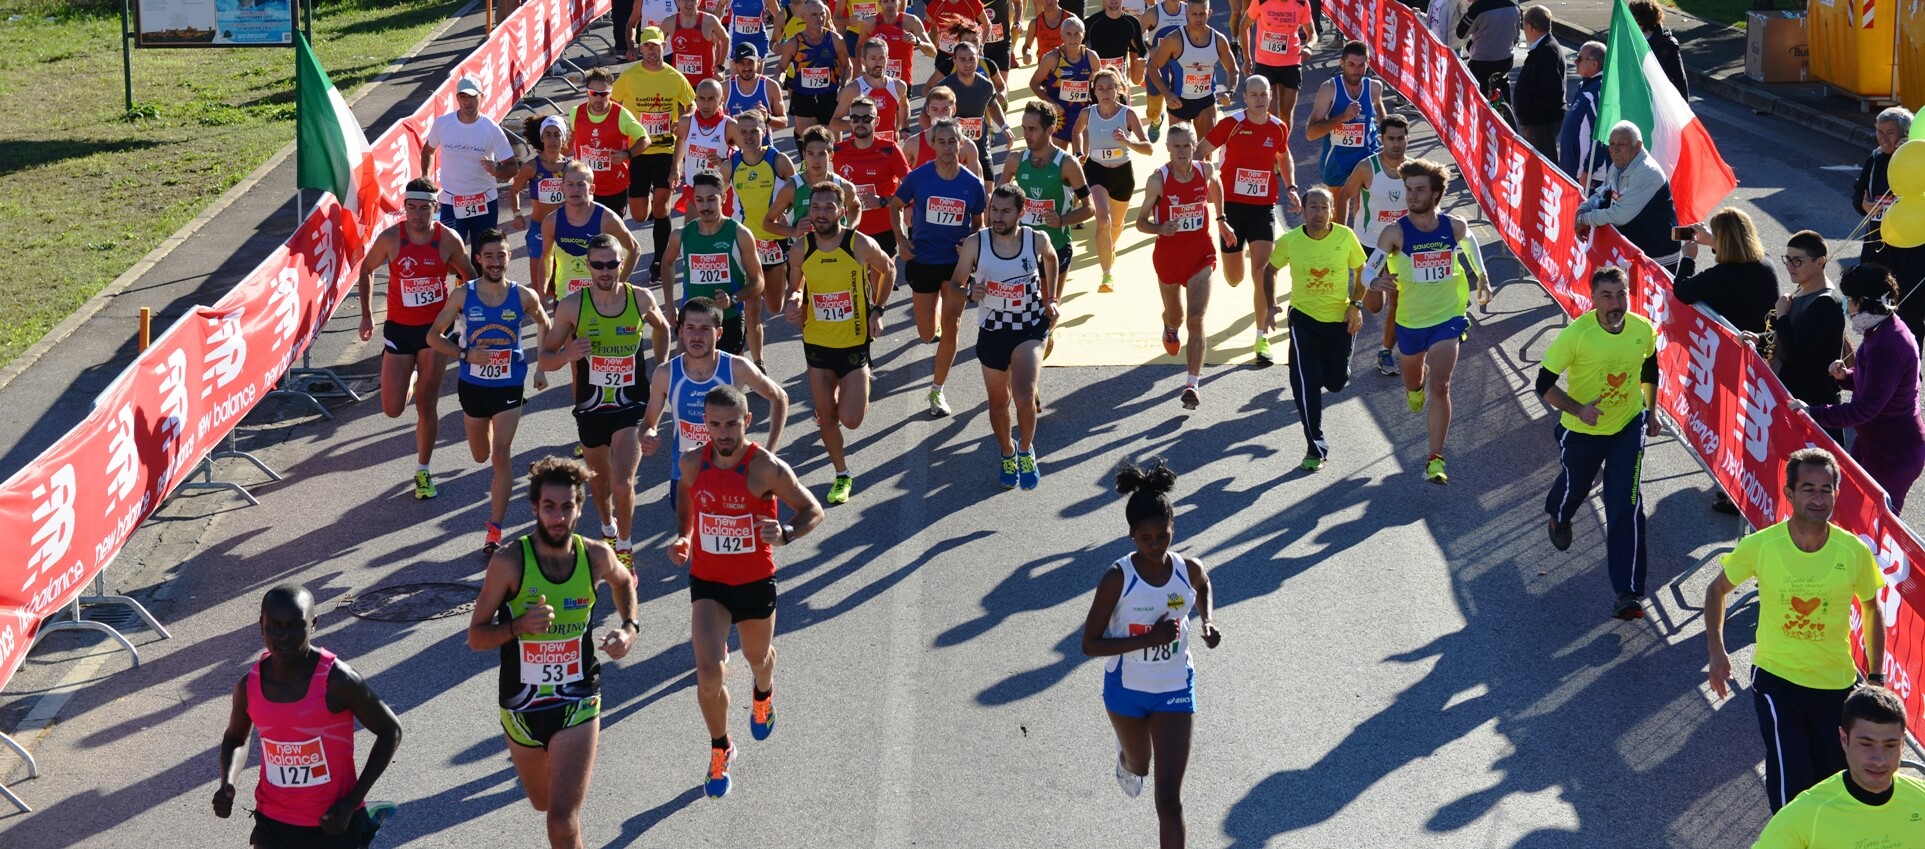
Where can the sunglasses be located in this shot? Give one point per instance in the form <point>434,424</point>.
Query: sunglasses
<point>605,266</point>
<point>862,119</point>
<point>598,92</point>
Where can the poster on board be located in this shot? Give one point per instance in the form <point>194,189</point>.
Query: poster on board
<point>214,23</point>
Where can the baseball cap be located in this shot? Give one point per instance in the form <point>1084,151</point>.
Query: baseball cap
<point>468,85</point>
<point>652,35</point>
<point>746,50</point>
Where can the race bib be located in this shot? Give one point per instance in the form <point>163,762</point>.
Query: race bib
<point>707,160</point>
<point>1119,64</point>
<point>499,361</point>
<point>1074,91</point>
<point>972,128</point>
<point>295,765</point>
<point>1387,216</point>
<point>576,284</point>
<point>1251,183</point>
<point>1348,135</point>
<point>1034,210</point>
<point>865,11</point>
<point>598,159</point>
<point>770,252</point>
<point>748,26</point>
<point>866,193</point>
<point>1110,155</point>
<point>1189,217</point>
<point>813,78</point>
<point>945,43</point>
<point>1153,654</point>
<point>708,269</point>
<point>1198,84</point>
<point>944,212</point>
<point>833,306</point>
<point>726,534</point>
<point>1005,295</point>
<point>893,68</point>
<point>611,372</point>
<point>691,64</point>
<point>551,663</point>
<point>1879,206</point>
<point>1431,266</point>
<point>549,191</point>
<point>1275,42</point>
<point>654,123</point>
<point>995,32</point>
<point>692,434</point>
<point>886,135</point>
<point>423,291</point>
<point>469,206</point>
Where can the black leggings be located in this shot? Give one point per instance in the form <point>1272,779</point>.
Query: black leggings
<point>1319,363</point>
<point>619,17</point>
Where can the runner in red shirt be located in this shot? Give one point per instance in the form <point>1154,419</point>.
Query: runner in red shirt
<point>1178,202</point>
<point>937,104</point>
<point>877,168</point>
<point>940,14</point>
<point>1257,171</point>
<point>605,145</point>
<point>697,43</point>
<point>886,92</point>
<point>905,34</point>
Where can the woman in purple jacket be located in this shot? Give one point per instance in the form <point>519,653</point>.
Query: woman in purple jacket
<point>1888,439</point>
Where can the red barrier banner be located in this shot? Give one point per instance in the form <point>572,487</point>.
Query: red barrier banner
<point>1728,405</point>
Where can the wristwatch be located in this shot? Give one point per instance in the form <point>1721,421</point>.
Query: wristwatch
<point>1357,304</point>
<point>1875,678</point>
<point>631,626</point>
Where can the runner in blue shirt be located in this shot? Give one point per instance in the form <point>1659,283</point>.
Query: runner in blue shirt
<point>945,203</point>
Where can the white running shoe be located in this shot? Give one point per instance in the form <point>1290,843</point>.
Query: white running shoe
<point>1131,783</point>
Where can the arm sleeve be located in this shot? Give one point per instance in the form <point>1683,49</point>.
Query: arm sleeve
<point>1473,255</point>
<point>1649,376</point>
<point>1545,380</point>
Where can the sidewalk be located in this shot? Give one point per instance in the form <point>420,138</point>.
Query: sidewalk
<point>1714,59</point>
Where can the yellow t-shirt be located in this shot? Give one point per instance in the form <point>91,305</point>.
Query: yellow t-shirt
<point>1805,601</point>
<point>658,99</point>
<point>1603,367</point>
<point>1827,816</point>
<point>1319,270</point>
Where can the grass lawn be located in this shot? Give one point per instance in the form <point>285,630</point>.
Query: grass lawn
<point>88,192</point>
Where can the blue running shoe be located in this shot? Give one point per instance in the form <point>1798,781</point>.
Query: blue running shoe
<point>1008,477</point>
<point>1026,472</point>
<point>761,716</point>
<point>718,774</point>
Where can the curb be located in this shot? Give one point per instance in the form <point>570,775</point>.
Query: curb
<point>127,278</point>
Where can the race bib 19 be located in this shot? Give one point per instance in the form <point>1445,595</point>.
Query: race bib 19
<point>833,306</point>
<point>423,291</point>
<point>708,269</point>
<point>551,663</point>
<point>1111,155</point>
<point>611,372</point>
<point>469,206</point>
<point>944,212</point>
<point>726,534</point>
<point>1251,183</point>
<point>294,765</point>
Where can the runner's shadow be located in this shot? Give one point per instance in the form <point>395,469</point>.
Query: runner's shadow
<point>634,827</point>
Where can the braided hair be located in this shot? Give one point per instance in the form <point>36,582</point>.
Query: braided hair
<point>1148,487</point>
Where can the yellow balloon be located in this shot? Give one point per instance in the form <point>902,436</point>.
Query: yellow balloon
<point>1907,174</point>
<point>1904,224</point>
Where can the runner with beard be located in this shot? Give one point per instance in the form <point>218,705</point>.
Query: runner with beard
<point>714,257</point>
<point>887,95</point>
<point>1372,199</point>
<point>680,388</point>
<point>1007,269</point>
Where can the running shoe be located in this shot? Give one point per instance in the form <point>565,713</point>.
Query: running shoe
<point>938,407</point>
<point>579,451</point>
<point>492,540</point>
<point>760,367</point>
<point>1627,607</point>
<point>1415,400</point>
<point>609,540</point>
<point>1560,534</point>
<point>1312,462</point>
<point>761,716</point>
<point>424,485</point>
<point>1171,345</point>
<point>380,812</point>
<point>1008,477</point>
<point>1156,130</point>
<point>718,773</point>
<point>1026,472</point>
<point>1263,350</point>
<point>626,557</point>
<point>1190,398</point>
<point>1434,470</point>
<point>840,490</point>
<point>1131,783</point>
<point>1386,362</point>
<point>1105,287</point>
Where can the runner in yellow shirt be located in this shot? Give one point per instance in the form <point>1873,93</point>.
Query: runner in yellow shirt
<point>1870,803</point>
<point>1326,310</point>
<point>658,96</point>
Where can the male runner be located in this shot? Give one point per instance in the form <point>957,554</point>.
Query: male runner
<point>816,62</point>
<point>1274,32</point>
<point>754,174</point>
<point>763,94</point>
<point>681,388</point>
<point>567,231</point>
<point>1177,199</point>
<point>943,15</point>
<point>839,284</point>
<point>1016,287</point>
<point>904,34</point>
<point>492,310</point>
<point>1808,570</point>
<point>749,22</point>
<point>715,258</point>
<point>658,96</point>
<point>607,146</point>
<point>708,140</point>
<point>1002,20</point>
<point>944,203</point>
<point>474,156</point>
<point>979,97</point>
<point>698,44</point>
<point>1116,35</point>
<point>1159,21</point>
<point>1326,263</point>
<point>888,97</point>
<point>1372,199</point>
<point>1045,31</point>
<point>1183,67</point>
<point>305,701</point>
<point>1871,802</point>
<point>1063,77</point>
<point>1431,255</point>
<point>597,332</point>
<point>788,214</point>
<point>1345,114</point>
<point>938,104</point>
<point>1258,177</point>
<point>1048,179</point>
<point>728,529</point>
<point>420,252</point>
<point>876,166</point>
<point>550,684</point>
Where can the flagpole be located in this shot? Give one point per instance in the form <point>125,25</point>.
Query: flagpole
<point>298,216</point>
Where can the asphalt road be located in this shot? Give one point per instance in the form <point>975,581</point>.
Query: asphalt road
<point>1403,664</point>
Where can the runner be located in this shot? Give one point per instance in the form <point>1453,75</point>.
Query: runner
<point>708,140</point>
<point>876,167</point>
<point>492,310</point>
<point>541,178</point>
<point>856,16</point>
<point>1062,78</point>
<point>569,229</point>
<point>820,63</point>
<point>905,35</point>
<point>681,388</point>
<point>1140,621</point>
<point>608,147</point>
<point>1105,134</point>
<point>1870,802</point>
<point>888,98</point>
<point>748,23</point>
<point>1016,294</point>
<point>839,284</point>
<point>473,155</point>
<point>728,531</point>
<point>1177,199</point>
<point>550,684</point>
<point>1045,31</point>
<point>1048,178</point>
<point>942,16</point>
<point>697,43</point>
<point>1184,71</point>
<point>305,701</point>
<point>1159,21</point>
<point>938,104</point>
<point>1809,570</point>
<point>762,93</point>
<point>1371,200</point>
<point>1275,31</point>
<point>1326,310</point>
<point>944,203</point>
<point>597,334</point>
<point>1116,34</point>
<point>647,14</point>
<point>1345,115</point>
<point>1256,162</point>
<point>978,109</point>
<point>753,174</point>
<point>715,258</point>
<point>1431,256</point>
<point>1001,21</point>
<point>788,214</point>
<point>420,252</point>
<point>659,97</point>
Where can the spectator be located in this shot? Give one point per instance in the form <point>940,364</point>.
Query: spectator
<point>1491,28</point>
<point>1664,45</point>
<point>1741,286</point>
<point>1870,195</point>
<point>1808,327</point>
<point>1442,20</point>
<point>1635,198</point>
<point>1540,86</point>
<point>1887,438</point>
<point>1579,152</point>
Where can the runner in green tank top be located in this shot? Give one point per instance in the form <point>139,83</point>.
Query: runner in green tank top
<point>712,256</point>
<point>788,214</point>
<point>1049,178</point>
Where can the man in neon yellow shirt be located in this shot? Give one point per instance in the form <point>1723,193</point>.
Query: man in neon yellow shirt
<point>1326,311</point>
<point>1808,572</point>
<point>1605,417</point>
<point>1868,804</point>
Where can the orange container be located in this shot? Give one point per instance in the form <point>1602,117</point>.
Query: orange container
<point>1911,55</point>
<point>1848,55</point>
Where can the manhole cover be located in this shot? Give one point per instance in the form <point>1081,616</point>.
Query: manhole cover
<point>414,602</point>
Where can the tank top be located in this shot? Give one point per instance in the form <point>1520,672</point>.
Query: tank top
<point>1196,74</point>
<point>497,330</point>
<point>727,549</point>
<point>1104,149</point>
<point>815,66</point>
<point>1012,286</point>
<point>1070,84</point>
<point>754,186</point>
<point>712,263</point>
<point>1359,134</point>
<point>902,50</point>
<point>608,379</point>
<point>307,751</point>
<point>596,143</point>
<point>1381,203</point>
<point>568,266</point>
<point>858,12</point>
<point>1167,21</point>
<point>417,279</point>
<point>998,13</point>
<point>545,188</point>
<point>687,399</point>
<point>704,148</point>
<point>1044,191</point>
<point>556,666</point>
<point>835,294</point>
<point>1048,37</point>
<point>746,26</point>
<point>1187,203</point>
<point>888,106</point>
<point>690,51</point>
<point>1158,669</point>
<point>1279,27</point>
<point>739,102</point>
<point>1431,288</point>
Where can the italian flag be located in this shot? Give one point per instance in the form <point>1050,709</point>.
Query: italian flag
<point>1636,90</point>
<point>331,151</point>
